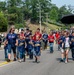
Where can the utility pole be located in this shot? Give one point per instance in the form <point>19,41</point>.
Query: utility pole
<point>47,17</point>
<point>40,15</point>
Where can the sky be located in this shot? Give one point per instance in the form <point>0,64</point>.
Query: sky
<point>60,3</point>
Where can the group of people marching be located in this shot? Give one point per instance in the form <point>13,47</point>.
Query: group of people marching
<point>28,44</point>
<point>22,44</point>
<point>65,44</point>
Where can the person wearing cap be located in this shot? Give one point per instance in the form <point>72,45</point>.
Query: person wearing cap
<point>11,39</point>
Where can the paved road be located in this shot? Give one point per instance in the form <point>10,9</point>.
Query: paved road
<point>49,65</point>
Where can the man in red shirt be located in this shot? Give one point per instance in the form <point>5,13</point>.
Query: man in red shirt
<point>22,33</point>
<point>51,41</point>
<point>57,36</point>
<point>37,34</point>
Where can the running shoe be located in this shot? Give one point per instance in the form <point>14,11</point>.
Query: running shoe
<point>61,60</point>
<point>66,61</point>
<point>14,59</point>
<point>8,60</point>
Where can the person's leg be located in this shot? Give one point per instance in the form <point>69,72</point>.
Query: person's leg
<point>72,50</point>
<point>6,53</point>
<point>14,52</point>
<point>51,47</point>
<point>46,44</point>
<point>9,53</point>
<point>67,51</point>
<point>58,47</point>
<point>31,55</point>
<point>62,54</point>
<point>38,55</point>
<point>73,54</point>
<point>0,44</point>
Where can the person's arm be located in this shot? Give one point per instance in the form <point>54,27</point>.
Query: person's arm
<point>6,41</point>
<point>16,43</point>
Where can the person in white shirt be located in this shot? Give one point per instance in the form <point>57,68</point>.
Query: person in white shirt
<point>66,46</point>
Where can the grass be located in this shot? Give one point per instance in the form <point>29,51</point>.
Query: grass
<point>45,25</point>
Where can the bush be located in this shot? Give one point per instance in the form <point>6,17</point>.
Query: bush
<point>3,23</point>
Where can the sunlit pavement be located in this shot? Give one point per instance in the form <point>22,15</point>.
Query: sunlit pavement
<point>49,65</point>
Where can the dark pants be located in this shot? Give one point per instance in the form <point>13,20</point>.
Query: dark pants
<point>6,52</point>
<point>27,49</point>
<point>45,44</point>
<point>72,50</point>
<point>0,44</point>
<point>30,54</point>
<point>51,47</point>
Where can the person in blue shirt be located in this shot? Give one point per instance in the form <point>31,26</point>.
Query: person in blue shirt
<point>20,43</point>
<point>30,47</point>
<point>11,39</point>
<point>37,52</point>
<point>5,49</point>
<point>45,39</point>
<point>61,41</point>
<point>27,37</point>
<point>72,45</point>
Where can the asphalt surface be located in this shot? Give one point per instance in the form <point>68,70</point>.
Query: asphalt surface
<point>49,65</point>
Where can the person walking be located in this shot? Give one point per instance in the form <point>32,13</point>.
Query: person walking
<point>72,45</point>
<point>51,41</point>
<point>5,47</point>
<point>11,39</point>
<point>66,46</point>
<point>20,43</point>
<point>45,39</point>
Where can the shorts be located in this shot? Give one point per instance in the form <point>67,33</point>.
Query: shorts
<point>10,48</point>
<point>37,52</point>
<point>67,48</point>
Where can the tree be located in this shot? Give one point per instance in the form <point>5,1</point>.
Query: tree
<point>3,22</point>
<point>54,13</point>
<point>2,6</point>
<point>63,11</point>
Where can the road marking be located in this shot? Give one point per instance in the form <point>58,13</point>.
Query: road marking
<point>4,63</point>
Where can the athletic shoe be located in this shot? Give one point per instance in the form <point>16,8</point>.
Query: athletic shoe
<point>14,59</point>
<point>66,61</point>
<point>24,58</point>
<point>61,60</point>
<point>8,60</point>
<point>20,61</point>
<point>36,60</point>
